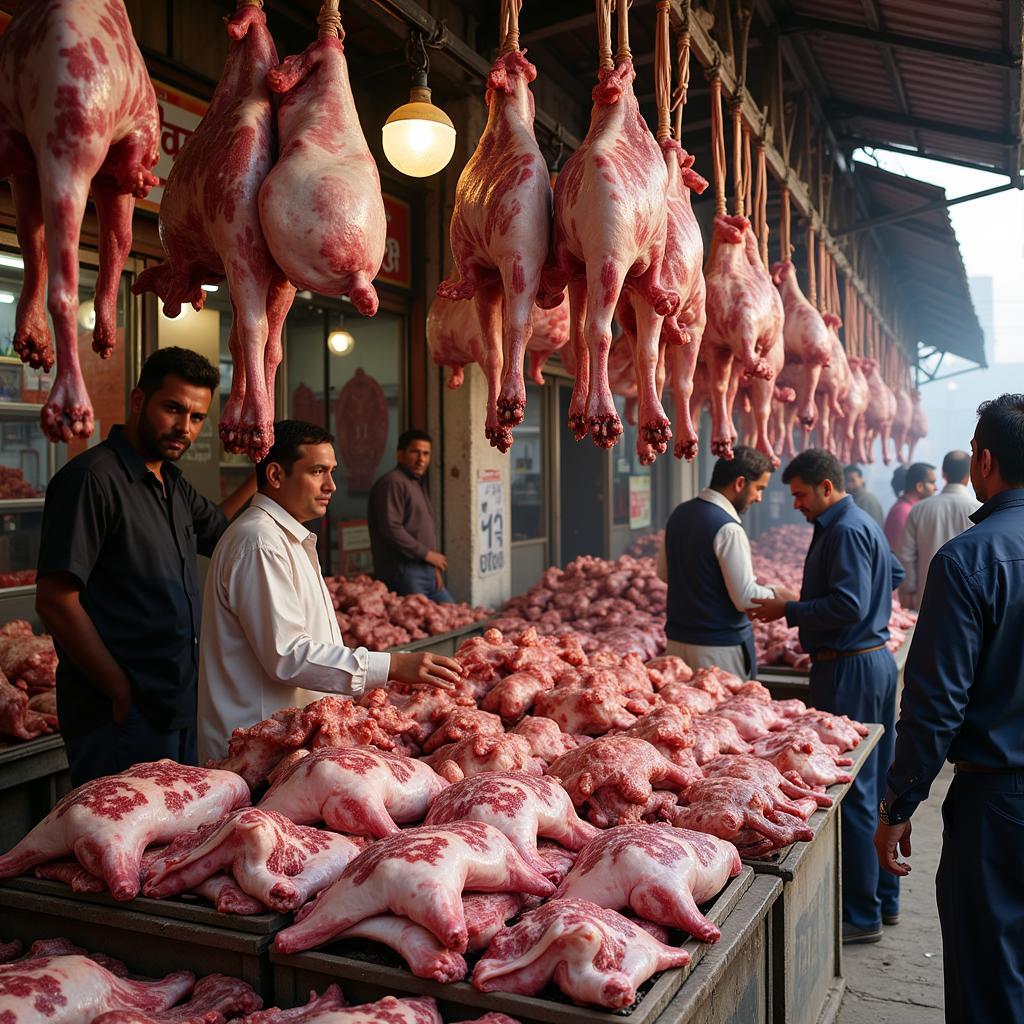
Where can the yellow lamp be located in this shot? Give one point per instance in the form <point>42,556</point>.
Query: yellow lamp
<point>341,342</point>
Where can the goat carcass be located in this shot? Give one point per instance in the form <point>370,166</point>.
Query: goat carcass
<point>499,236</point>
<point>609,234</point>
<point>833,386</point>
<point>107,823</point>
<point>320,205</point>
<point>854,404</point>
<point>880,412</point>
<point>901,421</point>
<point>210,229</point>
<point>77,114</point>
<point>918,424</point>
<point>550,335</point>
<point>419,873</point>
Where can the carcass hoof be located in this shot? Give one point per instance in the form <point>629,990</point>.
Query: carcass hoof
<point>33,347</point>
<point>252,441</point>
<point>499,437</point>
<point>657,435</point>
<point>65,423</point>
<point>605,430</point>
<point>686,449</point>
<point>103,341</point>
<point>665,303</point>
<point>760,370</point>
<point>510,411</point>
<point>646,454</point>
<point>455,290</point>
<point>578,425</point>
<point>722,449</point>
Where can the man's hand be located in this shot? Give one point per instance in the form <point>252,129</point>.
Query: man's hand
<point>120,706</point>
<point>768,609</point>
<point>785,593</point>
<point>437,560</point>
<point>438,579</point>
<point>889,839</point>
<point>426,670</point>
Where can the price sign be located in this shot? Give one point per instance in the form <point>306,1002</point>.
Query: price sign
<point>490,502</point>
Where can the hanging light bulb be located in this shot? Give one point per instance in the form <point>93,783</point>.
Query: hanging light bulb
<point>87,315</point>
<point>341,342</point>
<point>418,137</point>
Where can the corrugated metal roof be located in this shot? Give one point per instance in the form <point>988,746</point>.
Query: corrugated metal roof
<point>926,259</point>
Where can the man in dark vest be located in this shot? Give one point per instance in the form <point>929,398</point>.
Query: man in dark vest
<point>705,561</point>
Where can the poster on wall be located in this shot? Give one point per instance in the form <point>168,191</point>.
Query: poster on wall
<point>354,547</point>
<point>490,509</point>
<point>639,502</point>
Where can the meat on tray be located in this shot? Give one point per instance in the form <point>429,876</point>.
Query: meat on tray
<point>18,719</point>
<point>28,660</point>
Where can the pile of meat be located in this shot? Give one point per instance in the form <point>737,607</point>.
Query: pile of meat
<point>371,615</point>
<point>20,578</point>
<point>13,484</point>
<point>59,983</point>
<point>615,605</point>
<point>28,666</point>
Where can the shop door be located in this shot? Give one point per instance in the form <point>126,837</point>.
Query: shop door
<point>583,490</point>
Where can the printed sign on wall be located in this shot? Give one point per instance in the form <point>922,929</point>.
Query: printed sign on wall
<point>639,502</point>
<point>490,510</point>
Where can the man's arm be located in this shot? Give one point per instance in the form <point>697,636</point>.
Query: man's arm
<point>732,549</point>
<point>849,587</point>
<point>59,605</point>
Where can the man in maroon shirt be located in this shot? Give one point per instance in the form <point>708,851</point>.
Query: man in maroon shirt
<point>920,484</point>
<point>403,537</point>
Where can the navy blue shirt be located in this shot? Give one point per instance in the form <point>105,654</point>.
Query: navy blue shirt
<point>132,543</point>
<point>849,576</point>
<point>963,690</point>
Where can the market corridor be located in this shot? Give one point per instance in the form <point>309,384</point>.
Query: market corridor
<point>899,979</point>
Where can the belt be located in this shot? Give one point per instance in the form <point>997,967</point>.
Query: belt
<point>833,655</point>
<point>982,769</point>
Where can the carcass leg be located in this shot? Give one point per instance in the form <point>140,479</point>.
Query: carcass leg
<point>458,375</point>
<point>114,210</point>
<point>488,302</point>
<point>654,429</point>
<point>885,444</point>
<point>537,361</point>
<point>808,411</point>
<point>604,283</point>
<point>520,289</point>
<point>761,392</point>
<point>663,301</point>
<point>279,301</point>
<point>719,373</point>
<point>578,344</point>
<point>67,413</point>
<point>232,411</point>
<point>32,333</point>
<point>682,362</point>
<point>462,287</point>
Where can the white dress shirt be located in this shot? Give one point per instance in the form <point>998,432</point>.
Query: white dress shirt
<point>269,626</point>
<point>732,550</point>
<point>929,525</point>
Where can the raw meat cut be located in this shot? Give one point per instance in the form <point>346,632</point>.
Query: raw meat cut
<point>77,115</point>
<point>318,1007</point>
<point>360,790</point>
<point>500,232</point>
<point>752,718</point>
<point>595,956</point>
<point>610,227</point>
<point>10,950</point>
<point>75,989</point>
<point>591,709</point>
<point>682,695</point>
<point>514,695</point>
<point>108,822</point>
<point>802,751</point>
<point>426,706</point>
<point>320,204</point>
<point>17,720</point>
<point>425,954</point>
<point>459,724</point>
<point>214,999</point>
<point>522,807</point>
<point>839,730</point>
<point>476,754</point>
<point>546,740</point>
<point>662,873</point>
<point>328,1009</point>
<point>272,859</point>
<point>614,777</point>
<point>421,874</point>
<point>550,658</point>
<point>550,335</point>
<point>713,736</point>
<point>774,783</point>
<point>918,424</point>
<point>880,412</point>
<point>854,405</point>
<point>669,668</point>
<point>901,421</point>
<point>29,661</point>
<point>210,229</point>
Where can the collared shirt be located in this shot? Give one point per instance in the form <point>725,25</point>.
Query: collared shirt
<point>132,543</point>
<point>270,635</point>
<point>401,522</point>
<point>867,502</point>
<point>930,524</point>
<point>849,576</point>
<point>732,549</point>
<point>963,689</point>
<point>897,519</point>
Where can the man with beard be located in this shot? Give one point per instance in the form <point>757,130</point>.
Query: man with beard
<point>118,582</point>
<point>705,560</point>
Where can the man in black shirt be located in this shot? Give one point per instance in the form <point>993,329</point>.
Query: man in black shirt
<point>118,582</point>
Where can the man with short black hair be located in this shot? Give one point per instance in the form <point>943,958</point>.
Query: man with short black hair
<point>843,613</point>
<point>270,635</point>
<point>920,483</point>
<point>403,536</point>
<point>931,523</point>
<point>862,497</point>
<point>705,560</point>
<point>118,582</point>
<point>963,702</point>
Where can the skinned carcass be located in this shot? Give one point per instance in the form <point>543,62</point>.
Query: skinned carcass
<point>499,236</point>
<point>854,404</point>
<point>918,424</point>
<point>833,386</point>
<point>880,412</point>
<point>77,115</point>
<point>210,229</point>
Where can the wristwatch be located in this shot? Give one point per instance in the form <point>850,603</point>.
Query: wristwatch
<point>886,817</point>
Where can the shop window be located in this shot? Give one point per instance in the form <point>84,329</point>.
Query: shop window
<point>632,482</point>
<point>527,463</point>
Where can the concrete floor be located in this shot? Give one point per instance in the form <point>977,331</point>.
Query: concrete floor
<point>899,980</point>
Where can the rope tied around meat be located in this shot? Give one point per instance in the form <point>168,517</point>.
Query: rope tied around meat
<point>510,25</point>
<point>663,72</point>
<point>329,22</point>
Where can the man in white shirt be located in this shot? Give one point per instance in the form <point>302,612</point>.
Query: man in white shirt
<point>270,639</point>
<point>706,562</point>
<point>931,523</point>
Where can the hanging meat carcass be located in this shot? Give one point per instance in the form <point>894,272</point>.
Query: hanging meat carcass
<point>210,229</point>
<point>880,411</point>
<point>918,424</point>
<point>833,386</point>
<point>609,233</point>
<point>854,405</point>
<point>320,205</point>
<point>901,421</point>
<point>77,115</point>
<point>500,231</point>
<point>550,334</point>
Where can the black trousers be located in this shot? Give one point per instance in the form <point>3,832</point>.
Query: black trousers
<point>111,748</point>
<point>979,888</point>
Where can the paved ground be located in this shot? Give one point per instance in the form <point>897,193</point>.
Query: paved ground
<point>899,980</point>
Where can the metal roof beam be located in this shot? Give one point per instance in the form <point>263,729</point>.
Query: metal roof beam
<point>850,111</point>
<point>797,25</point>
<point>856,140</point>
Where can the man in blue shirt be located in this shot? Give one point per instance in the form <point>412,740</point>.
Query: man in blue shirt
<point>963,701</point>
<point>843,616</point>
